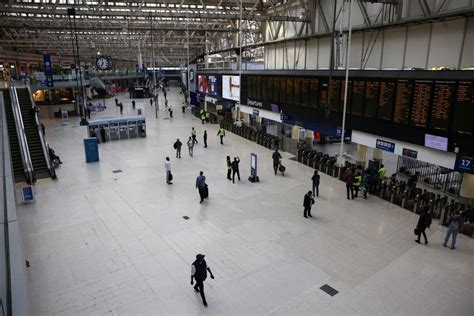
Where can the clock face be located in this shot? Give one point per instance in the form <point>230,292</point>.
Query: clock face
<point>103,63</point>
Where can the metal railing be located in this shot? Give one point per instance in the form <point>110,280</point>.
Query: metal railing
<point>50,166</point>
<point>21,134</point>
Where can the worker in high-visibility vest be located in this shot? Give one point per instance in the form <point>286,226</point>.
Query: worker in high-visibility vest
<point>221,134</point>
<point>208,117</point>
<point>357,183</point>
<point>203,117</point>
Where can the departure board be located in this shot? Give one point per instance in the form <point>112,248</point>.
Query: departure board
<point>265,88</point>
<point>386,100</point>
<point>270,88</point>
<point>249,87</point>
<point>313,94</point>
<point>464,111</point>
<point>289,90</point>
<point>297,92</point>
<point>323,94</point>
<point>258,88</point>
<point>403,101</point>
<point>372,91</point>
<point>358,96</point>
<point>334,95</point>
<point>283,90</point>
<point>276,89</point>
<point>443,101</point>
<point>305,92</point>
<point>421,103</point>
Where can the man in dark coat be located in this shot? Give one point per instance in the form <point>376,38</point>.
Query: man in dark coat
<point>350,184</point>
<point>308,203</point>
<point>315,180</point>
<point>423,222</point>
<point>235,169</point>
<point>199,270</point>
<point>276,160</point>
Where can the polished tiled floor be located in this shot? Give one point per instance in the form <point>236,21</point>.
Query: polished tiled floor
<point>116,243</point>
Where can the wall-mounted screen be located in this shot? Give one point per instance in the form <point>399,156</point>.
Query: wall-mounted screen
<point>258,87</point>
<point>464,109</point>
<point>270,88</point>
<point>402,102</point>
<point>283,89</point>
<point>304,92</point>
<point>264,88</point>
<point>297,92</point>
<point>334,96</point>
<point>436,142</point>
<point>231,87</point>
<point>275,108</point>
<point>212,85</point>
<point>203,85</point>
<point>421,103</point>
<point>313,93</point>
<point>372,91</point>
<point>442,105</point>
<point>358,96</point>
<point>386,100</point>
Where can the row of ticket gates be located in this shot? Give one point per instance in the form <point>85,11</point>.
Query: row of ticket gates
<point>409,197</point>
<point>261,138</point>
<point>118,128</point>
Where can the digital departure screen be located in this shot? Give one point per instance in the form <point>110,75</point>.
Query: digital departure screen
<point>464,111</point>
<point>276,89</point>
<point>250,91</point>
<point>264,88</point>
<point>402,102</point>
<point>282,90</point>
<point>289,90</point>
<point>314,96</point>
<point>305,92</point>
<point>258,88</point>
<point>297,92</point>
<point>421,103</point>
<point>270,88</point>
<point>372,91</point>
<point>443,100</point>
<point>358,96</point>
<point>386,100</point>
<point>335,96</point>
<point>323,94</point>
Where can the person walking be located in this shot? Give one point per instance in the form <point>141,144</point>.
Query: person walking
<point>133,104</point>
<point>190,146</point>
<point>202,186</point>
<point>424,221</point>
<point>205,139</point>
<point>366,182</point>
<point>350,184</point>
<point>454,226</point>
<point>221,134</point>
<point>193,135</point>
<point>151,102</point>
<point>235,169</point>
<point>116,102</point>
<point>315,180</point>
<point>276,160</point>
<point>199,271</point>
<point>229,167</point>
<point>103,134</point>
<point>357,183</point>
<point>208,117</point>
<point>177,145</point>
<point>121,108</point>
<point>169,176</point>
<point>203,117</point>
<point>307,204</point>
<point>170,110</point>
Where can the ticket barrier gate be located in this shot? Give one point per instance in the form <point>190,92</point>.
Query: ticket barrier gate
<point>123,130</point>
<point>132,130</point>
<point>119,128</point>
<point>114,131</point>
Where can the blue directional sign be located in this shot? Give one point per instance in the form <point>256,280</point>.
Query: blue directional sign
<point>385,145</point>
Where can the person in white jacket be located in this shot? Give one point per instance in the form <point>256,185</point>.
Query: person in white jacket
<point>168,170</point>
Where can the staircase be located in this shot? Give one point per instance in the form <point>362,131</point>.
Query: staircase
<point>38,158</point>
<point>18,171</point>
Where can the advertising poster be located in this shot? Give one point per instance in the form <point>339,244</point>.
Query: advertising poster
<point>48,70</point>
<point>203,84</point>
<point>212,82</point>
<point>231,87</point>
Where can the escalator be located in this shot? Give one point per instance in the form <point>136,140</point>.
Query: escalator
<point>38,158</point>
<point>17,162</point>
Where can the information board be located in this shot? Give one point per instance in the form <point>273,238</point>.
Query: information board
<point>386,100</point>
<point>464,109</point>
<point>283,90</point>
<point>372,91</point>
<point>323,94</point>
<point>305,92</point>
<point>264,88</point>
<point>313,94</point>
<point>258,88</point>
<point>297,92</point>
<point>402,102</point>
<point>421,103</point>
<point>358,96</point>
<point>464,164</point>
<point>276,89</point>
<point>289,90</point>
<point>443,101</point>
<point>270,88</point>
<point>335,96</point>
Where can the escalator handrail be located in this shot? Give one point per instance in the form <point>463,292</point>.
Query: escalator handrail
<point>21,134</point>
<point>50,166</point>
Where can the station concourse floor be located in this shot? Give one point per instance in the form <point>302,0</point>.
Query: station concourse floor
<point>105,243</point>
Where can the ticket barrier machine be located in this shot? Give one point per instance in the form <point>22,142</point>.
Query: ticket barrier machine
<point>119,128</point>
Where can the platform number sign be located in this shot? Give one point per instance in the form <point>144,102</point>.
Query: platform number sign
<point>385,145</point>
<point>464,164</point>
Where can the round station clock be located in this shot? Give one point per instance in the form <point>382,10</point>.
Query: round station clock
<point>103,63</point>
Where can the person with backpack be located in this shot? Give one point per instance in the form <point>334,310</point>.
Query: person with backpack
<point>276,156</point>
<point>229,167</point>
<point>177,145</point>
<point>315,180</point>
<point>423,222</point>
<point>199,271</point>
<point>454,226</point>
<point>307,204</point>
<point>235,169</point>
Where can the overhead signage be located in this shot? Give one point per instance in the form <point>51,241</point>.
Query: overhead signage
<point>409,153</point>
<point>464,164</point>
<point>48,70</point>
<point>254,103</point>
<point>255,112</point>
<point>385,145</point>
<point>436,142</point>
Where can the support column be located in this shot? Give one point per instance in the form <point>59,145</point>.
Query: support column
<point>361,155</point>
<point>467,186</point>
<point>377,155</point>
